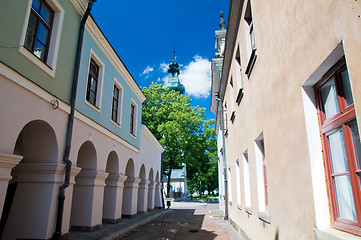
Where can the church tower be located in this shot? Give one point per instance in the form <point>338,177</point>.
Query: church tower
<point>173,77</point>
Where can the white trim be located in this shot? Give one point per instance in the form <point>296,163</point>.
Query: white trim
<point>99,96</point>
<point>247,186</point>
<point>260,174</point>
<point>318,174</point>
<point>80,6</point>
<point>107,49</point>
<point>50,66</point>
<point>30,86</point>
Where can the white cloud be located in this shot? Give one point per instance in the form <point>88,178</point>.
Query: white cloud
<point>196,77</point>
<point>163,67</point>
<point>147,70</point>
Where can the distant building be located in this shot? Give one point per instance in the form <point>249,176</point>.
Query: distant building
<point>288,103</point>
<point>178,183</point>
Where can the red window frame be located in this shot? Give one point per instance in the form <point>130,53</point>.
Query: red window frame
<point>340,121</point>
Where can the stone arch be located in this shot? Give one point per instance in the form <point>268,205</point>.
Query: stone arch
<point>142,191</point>
<point>129,169</point>
<point>130,192</point>
<point>37,143</point>
<point>87,157</point>
<point>113,191</point>
<point>83,214</point>
<point>150,191</point>
<point>32,192</point>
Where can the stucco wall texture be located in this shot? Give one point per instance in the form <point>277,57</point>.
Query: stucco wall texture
<point>292,38</point>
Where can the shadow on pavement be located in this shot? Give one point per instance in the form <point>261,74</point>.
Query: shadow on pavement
<point>177,224</point>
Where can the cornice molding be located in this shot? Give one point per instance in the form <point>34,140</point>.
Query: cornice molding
<point>80,6</point>
<point>146,133</point>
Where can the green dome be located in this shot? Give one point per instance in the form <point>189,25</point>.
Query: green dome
<point>173,82</point>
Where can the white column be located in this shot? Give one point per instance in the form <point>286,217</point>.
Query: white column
<point>35,198</point>
<point>113,195</point>
<point>130,197</point>
<point>7,162</point>
<point>151,195</point>
<point>88,195</point>
<point>68,200</point>
<point>158,199</point>
<point>143,196</point>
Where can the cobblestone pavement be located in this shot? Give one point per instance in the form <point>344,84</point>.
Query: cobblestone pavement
<point>186,220</point>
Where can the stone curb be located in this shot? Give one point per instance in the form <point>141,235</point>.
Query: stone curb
<point>122,231</point>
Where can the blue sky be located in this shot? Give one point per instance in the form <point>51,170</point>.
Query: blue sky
<point>144,34</point>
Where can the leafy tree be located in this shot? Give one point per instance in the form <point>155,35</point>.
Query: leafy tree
<point>181,129</point>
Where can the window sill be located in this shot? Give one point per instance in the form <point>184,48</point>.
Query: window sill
<point>248,209</point>
<point>92,106</point>
<point>34,59</point>
<point>264,216</point>
<point>133,136</point>
<point>332,234</point>
<point>239,206</point>
<point>116,124</point>
<point>251,62</point>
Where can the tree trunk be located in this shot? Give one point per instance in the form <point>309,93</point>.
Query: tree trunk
<point>168,182</point>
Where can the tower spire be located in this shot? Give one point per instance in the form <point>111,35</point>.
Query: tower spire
<point>173,76</point>
<point>222,23</point>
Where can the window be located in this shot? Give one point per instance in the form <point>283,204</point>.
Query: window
<point>250,40</point>
<point>116,111</point>
<point>38,33</point>
<point>40,37</point>
<point>247,186</point>
<point>262,183</point>
<point>238,183</point>
<point>229,190</point>
<point>133,112</point>
<point>239,77</point>
<point>91,93</point>
<point>342,148</point>
<point>231,89</point>
<point>115,104</point>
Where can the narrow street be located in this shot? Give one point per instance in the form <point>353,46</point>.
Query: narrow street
<point>186,220</point>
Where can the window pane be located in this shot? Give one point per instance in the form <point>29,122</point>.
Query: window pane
<point>329,100</point>
<point>346,87</point>
<point>39,50</point>
<point>36,5</point>
<point>30,32</point>
<point>42,34</point>
<point>46,13</point>
<point>344,198</point>
<point>92,97</point>
<point>337,150</point>
<point>356,144</point>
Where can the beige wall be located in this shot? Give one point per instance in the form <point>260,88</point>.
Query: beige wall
<point>293,38</point>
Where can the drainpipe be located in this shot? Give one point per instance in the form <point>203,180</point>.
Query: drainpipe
<point>220,108</point>
<point>69,130</point>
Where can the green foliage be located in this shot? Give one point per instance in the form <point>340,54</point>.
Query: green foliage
<point>184,133</point>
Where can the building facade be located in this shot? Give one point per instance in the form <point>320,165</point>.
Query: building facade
<point>115,160</point>
<point>288,107</point>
